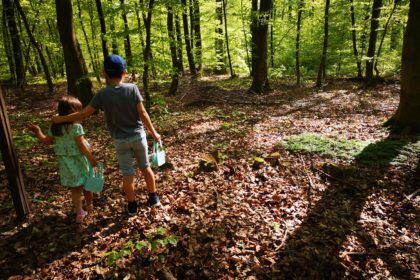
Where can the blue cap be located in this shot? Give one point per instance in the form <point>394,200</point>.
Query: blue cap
<point>114,64</point>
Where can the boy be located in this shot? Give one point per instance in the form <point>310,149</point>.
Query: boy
<point>126,117</point>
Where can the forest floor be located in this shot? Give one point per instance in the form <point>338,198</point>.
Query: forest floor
<point>300,183</point>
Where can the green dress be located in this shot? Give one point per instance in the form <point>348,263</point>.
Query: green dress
<point>73,165</point>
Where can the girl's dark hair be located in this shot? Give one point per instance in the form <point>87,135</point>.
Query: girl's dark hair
<point>66,106</point>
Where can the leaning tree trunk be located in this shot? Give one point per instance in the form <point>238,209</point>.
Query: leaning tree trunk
<point>408,112</point>
<point>259,31</point>
<point>297,51</point>
<point>9,13</point>
<point>103,28</point>
<point>78,82</point>
<point>321,69</point>
<point>353,34</point>
<point>172,45</point>
<point>374,24</point>
<point>36,46</point>
<point>8,48</point>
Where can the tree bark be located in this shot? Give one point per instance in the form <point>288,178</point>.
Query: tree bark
<point>9,13</point>
<point>197,34</point>
<point>179,44</point>
<point>374,24</point>
<point>172,45</point>
<point>78,82</point>
<point>103,28</point>
<point>147,53</point>
<point>407,114</point>
<point>299,22</point>
<point>245,39</point>
<point>321,69</point>
<point>114,44</point>
<point>232,74</point>
<point>353,34</point>
<point>187,38</point>
<point>259,30</point>
<point>8,48</point>
<point>127,43</point>
<point>220,54</point>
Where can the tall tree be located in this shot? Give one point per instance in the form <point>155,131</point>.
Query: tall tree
<point>112,27</point>
<point>103,28</point>
<point>179,44</point>
<point>353,34</point>
<point>78,82</point>
<point>374,24</point>
<point>197,33</point>
<point>9,13</point>
<point>220,57</point>
<point>297,51</point>
<point>259,31</point>
<point>407,114</point>
<point>245,39</point>
<point>321,70</point>
<point>188,43</point>
<point>147,51</point>
<point>8,48</point>
<point>232,74</point>
<point>37,47</point>
<point>127,43</point>
<point>172,45</point>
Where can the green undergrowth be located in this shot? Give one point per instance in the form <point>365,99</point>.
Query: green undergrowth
<point>387,151</point>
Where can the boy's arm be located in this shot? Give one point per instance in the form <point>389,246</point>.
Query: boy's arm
<point>144,116</point>
<point>75,117</point>
<point>81,143</point>
<point>45,139</point>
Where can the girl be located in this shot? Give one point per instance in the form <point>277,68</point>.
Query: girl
<point>72,152</point>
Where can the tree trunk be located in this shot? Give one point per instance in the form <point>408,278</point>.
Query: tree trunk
<point>324,47</point>
<point>245,39</point>
<point>220,56</point>
<point>139,26</point>
<point>147,53</point>
<point>259,31</point>
<point>374,24</point>
<point>197,34</point>
<point>378,53</point>
<point>8,48</point>
<point>407,114</point>
<point>172,44</point>
<point>353,34</point>
<point>9,13</point>
<point>127,43</point>
<point>188,40</point>
<point>272,36</point>
<point>114,44</point>
<point>94,40</point>
<point>299,22</point>
<point>232,74</point>
<point>103,28</point>
<point>87,41</point>
<point>179,44</point>
<point>36,46</point>
<point>78,82</point>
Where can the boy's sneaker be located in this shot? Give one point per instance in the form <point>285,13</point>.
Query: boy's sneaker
<point>132,208</point>
<point>154,200</point>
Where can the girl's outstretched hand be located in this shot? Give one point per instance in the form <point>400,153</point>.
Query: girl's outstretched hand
<point>34,128</point>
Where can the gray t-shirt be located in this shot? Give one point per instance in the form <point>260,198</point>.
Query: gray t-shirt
<point>120,105</point>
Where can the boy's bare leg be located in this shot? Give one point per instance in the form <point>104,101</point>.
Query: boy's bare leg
<point>128,187</point>
<point>149,177</point>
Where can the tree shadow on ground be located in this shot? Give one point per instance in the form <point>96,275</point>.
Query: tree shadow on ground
<point>41,241</point>
<point>312,251</point>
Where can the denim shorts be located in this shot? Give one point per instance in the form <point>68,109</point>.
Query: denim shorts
<point>128,148</point>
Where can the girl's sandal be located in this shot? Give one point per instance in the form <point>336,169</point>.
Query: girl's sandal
<point>80,216</point>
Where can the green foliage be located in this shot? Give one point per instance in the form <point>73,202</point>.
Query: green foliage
<point>24,141</point>
<point>153,247</point>
<point>388,151</point>
<point>325,146</point>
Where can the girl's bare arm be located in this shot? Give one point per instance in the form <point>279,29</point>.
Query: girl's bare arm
<point>45,139</point>
<point>81,143</point>
<point>144,116</point>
